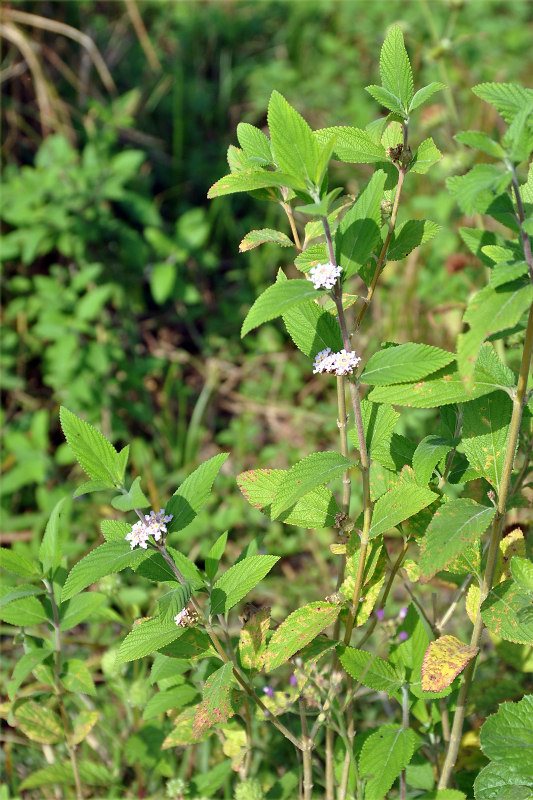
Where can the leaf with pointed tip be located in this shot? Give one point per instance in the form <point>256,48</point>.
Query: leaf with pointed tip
<point>316,470</point>
<point>39,723</point>
<point>94,453</point>
<point>293,143</point>
<point>312,329</point>
<point>370,670</point>
<point>445,658</point>
<point>252,642</point>
<point>312,255</point>
<point>278,299</point>
<point>425,156</point>
<point>256,238</point>
<point>18,563</point>
<point>147,637</point>
<point>108,558</point>
<point>386,99</point>
<point>255,143</point>
<point>353,145</point>
<point>76,677</point>
<point>23,612</point>
<point>522,572</point>
<point>133,498</point>
<point>189,498</point>
<point>501,613</point>
<point>404,363</point>
<point>62,774</point>
<point>425,93</point>
<point>428,454</point>
<point>486,423</point>
<point>298,630</point>
<point>476,191</point>
<point>397,505</point>
<point>248,180</point>
<point>359,230</point>
<point>216,702</point>
<point>24,666</point>
<point>481,141</point>
<point>238,580</point>
<point>173,602</point>
<point>410,235</point>
<point>215,554</point>
<point>91,486</point>
<point>507,98</point>
<point>454,528</point>
<point>379,421</point>
<point>507,736</point>
<point>50,549</point>
<point>394,67</point>
<point>77,609</point>
<point>386,752</point>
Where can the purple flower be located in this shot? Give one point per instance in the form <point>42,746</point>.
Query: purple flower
<point>268,690</point>
<point>402,636</point>
<point>293,680</point>
<point>380,614</point>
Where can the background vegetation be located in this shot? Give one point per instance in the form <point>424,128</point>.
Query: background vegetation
<point>123,292</point>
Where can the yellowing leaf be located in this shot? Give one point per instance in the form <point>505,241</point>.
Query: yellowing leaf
<point>253,640</point>
<point>512,545</point>
<point>472,603</point>
<point>445,658</point>
<point>83,724</point>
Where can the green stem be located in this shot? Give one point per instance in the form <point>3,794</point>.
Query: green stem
<point>488,577</point>
<point>306,753</point>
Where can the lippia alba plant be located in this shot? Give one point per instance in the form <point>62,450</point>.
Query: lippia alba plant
<point>374,704</point>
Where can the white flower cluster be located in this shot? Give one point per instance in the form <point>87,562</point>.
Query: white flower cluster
<point>324,275</point>
<point>155,524</point>
<point>342,363</point>
<point>186,618</point>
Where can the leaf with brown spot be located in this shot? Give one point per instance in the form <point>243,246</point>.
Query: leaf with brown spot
<point>216,703</point>
<point>445,658</point>
<point>253,640</point>
<point>485,433</point>
<point>300,628</point>
<point>503,613</point>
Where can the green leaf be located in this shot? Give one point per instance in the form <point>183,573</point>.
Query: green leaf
<point>489,311</point>
<point>76,677</point>
<point>410,235</point>
<point>441,388</point>
<point>173,602</point>
<point>133,498</point>
<point>425,156</point>
<point>507,736</point>
<point>18,564</point>
<point>379,421</point>
<point>106,559</point>
<point>300,628</point>
<point>501,613</point>
<point>96,456</point>
<point>312,329</point>
<point>62,774</point>
<point>476,191</point>
<point>215,706</point>
<point>497,782</point>
<point>522,572</point>
<point>278,299</point>
<point>428,454</point>
<point>454,528</point>
<point>477,240</point>
<point>192,645</point>
<point>386,99</point>
<point>187,501</point>
<point>255,238</point>
<point>353,145</point>
<point>74,611</point>
<point>481,141</point>
<point>312,255</point>
<point>248,180</point>
<point>309,473</point>
<point>50,549</point>
<point>359,230</point>
<point>397,505</point>
<point>394,67</point>
<point>90,486</point>
<point>507,272</point>
<point>255,143</point>
<point>252,642</point>
<point>24,612</point>
<point>486,423</point>
<point>295,148</point>
<point>425,93</point>
<point>404,363</point>
<point>114,529</point>
<point>24,667</point>
<point>507,98</point>
<point>316,509</point>
<point>238,581</point>
<point>385,753</point>
<point>177,697</point>
<point>39,723</point>
<point>370,670</point>
<point>147,637</point>
<point>215,554</point>
<point>157,569</point>
<point>122,462</point>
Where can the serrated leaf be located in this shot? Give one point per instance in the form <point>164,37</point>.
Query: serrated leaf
<point>481,141</point>
<point>486,423</point>
<point>133,498</point>
<point>192,645</point>
<point>96,456</point>
<point>252,642</point>
<point>425,156</point>
<point>278,299</point>
<point>215,554</point>
<point>256,238</point>
<point>507,272</point>
<point>39,723</point>
<point>147,637</point>
<point>501,613</point>
<point>454,528</point>
<point>385,753</point>
<point>507,98</point>
<point>379,421</point>
<point>312,255</point>
<point>24,666</point>
<point>182,733</point>
<point>248,180</point>
<point>477,240</point>
<point>50,549</point>
<point>404,363</point>
<point>173,602</point>
<point>410,235</point>
<point>308,474</point>
<point>441,388</point>
<point>187,501</point>
<point>295,148</point>
<point>239,579</point>
<point>370,670</point>
<point>507,736</point>
<point>397,505</point>
<point>78,608</point>
<point>497,782</point>
<point>316,509</point>
<point>106,559</point>
<point>90,486</point>
<point>254,142</point>
<point>394,67</point>
<point>353,145</point>
<point>177,697</point>
<point>428,454</point>
<point>386,99</point>
<point>522,572</point>
<point>476,191</point>
<point>156,568</point>
<point>62,774</point>
<point>425,93</point>
<point>489,311</point>
<point>359,229</point>
<point>77,678</point>
<point>25,612</point>
<point>83,725</point>
<point>18,564</point>
<point>298,630</point>
<point>312,329</point>
<point>445,658</point>
<point>215,706</point>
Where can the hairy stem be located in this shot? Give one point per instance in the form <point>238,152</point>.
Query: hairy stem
<point>488,577</point>
<point>306,753</point>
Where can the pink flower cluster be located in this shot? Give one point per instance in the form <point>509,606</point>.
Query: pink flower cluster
<point>324,276</point>
<point>342,363</point>
<point>154,525</point>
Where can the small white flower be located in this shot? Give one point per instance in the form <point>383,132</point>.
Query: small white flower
<point>180,618</point>
<point>345,362</point>
<point>154,525</point>
<point>321,362</point>
<point>138,535</point>
<point>324,276</point>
